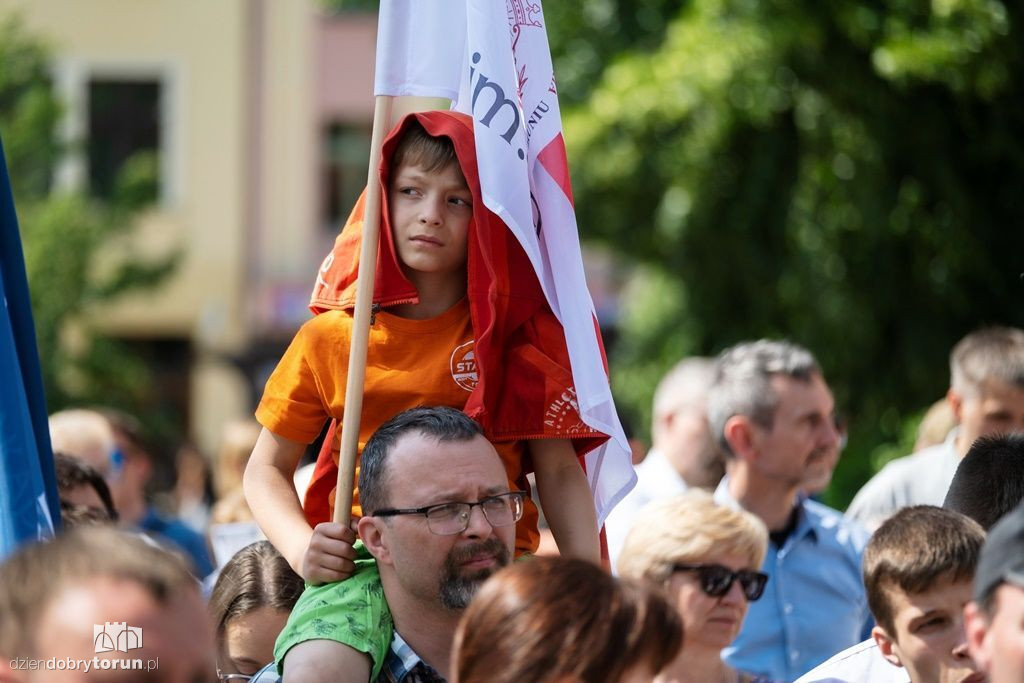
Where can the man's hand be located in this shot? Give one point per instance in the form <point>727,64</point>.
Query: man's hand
<point>330,555</point>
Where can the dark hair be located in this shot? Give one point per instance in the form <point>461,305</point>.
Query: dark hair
<point>742,384</point>
<point>72,473</point>
<point>441,423</point>
<point>419,148</point>
<point>548,618</point>
<point>256,576</point>
<point>915,549</point>
<point>989,481</point>
<point>36,574</point>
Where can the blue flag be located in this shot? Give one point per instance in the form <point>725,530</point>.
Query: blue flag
<point>29,507</point>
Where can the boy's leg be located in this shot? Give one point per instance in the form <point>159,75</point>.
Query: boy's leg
<point>347,622</point>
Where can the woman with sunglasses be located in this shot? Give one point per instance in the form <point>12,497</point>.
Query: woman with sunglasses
<point>707,557</point>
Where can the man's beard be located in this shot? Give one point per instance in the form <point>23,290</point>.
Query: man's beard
<point>458,588</point>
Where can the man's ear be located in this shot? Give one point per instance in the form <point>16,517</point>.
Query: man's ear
<point>739,433</point>
<point>976,629</point>
<point>372,531</point>
<point>956,403</point>
<point>886,646</point>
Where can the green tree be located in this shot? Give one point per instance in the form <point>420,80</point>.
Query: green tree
<point>68,238</point>
<point>845,174</point>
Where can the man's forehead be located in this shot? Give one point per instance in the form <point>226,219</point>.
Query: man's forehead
<point>426,464</point>
<point>796,391</point>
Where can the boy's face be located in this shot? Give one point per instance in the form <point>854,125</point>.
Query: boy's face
<point>928,639</point>
<point>430,217</point>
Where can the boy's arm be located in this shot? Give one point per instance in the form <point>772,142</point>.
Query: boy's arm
<point>319,556</point>
<point>565,498</point>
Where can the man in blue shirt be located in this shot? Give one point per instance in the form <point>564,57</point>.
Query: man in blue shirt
<point>774,415</point>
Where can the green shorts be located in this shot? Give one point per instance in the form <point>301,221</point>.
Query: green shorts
<point>352,612</point>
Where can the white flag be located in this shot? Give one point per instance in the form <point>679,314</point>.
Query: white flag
<point>492,59</point>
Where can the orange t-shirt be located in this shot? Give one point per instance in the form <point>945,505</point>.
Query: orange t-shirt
<point>409,363</point>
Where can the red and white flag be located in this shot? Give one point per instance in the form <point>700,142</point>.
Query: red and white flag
<point>493,61</point>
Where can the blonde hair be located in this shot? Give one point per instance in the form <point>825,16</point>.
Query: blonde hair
<point>685,529</point>
<point>237,440</point>
<point>84,434</point>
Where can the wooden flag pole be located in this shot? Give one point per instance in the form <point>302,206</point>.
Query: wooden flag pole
<point>361,317</point>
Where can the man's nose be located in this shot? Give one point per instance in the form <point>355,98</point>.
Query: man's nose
<point>478,526</point>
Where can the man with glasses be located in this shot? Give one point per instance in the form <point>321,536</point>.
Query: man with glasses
<point>774,415</point>
<point>440,520</point>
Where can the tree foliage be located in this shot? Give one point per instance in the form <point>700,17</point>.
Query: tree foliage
<point>76,255</point>
<point>845,174</point>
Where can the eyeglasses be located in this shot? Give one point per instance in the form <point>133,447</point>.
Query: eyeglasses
<point>221,676</point>
<point>716,580</point>
<point>448,519</point>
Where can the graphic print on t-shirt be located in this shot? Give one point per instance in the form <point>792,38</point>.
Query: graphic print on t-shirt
<point>463,366</point>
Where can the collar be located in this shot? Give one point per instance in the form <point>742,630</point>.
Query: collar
<point>403,665</point>
<point>807,523</point>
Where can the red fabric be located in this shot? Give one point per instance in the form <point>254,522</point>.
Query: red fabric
<point>525,383</point>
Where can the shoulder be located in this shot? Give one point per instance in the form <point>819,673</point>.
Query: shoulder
<point>896,484</point>
<point>843,531</point>
<point>331,322</point>
<point>862,662</point>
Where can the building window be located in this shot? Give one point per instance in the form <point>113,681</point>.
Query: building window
<point>124,138</point>
<point>346,153</point>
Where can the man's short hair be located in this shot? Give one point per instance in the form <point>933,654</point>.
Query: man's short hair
<point>914,550</point>
<point>989,481</point>
<point>440,423</point>
<point>743,386</point>
<point>36,574</point>
<point>989,353</point>
<point>419,148</point>
<point>684,386</point>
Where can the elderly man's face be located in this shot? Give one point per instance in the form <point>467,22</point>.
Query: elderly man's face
<point>997,644</point>
<point>803,443</point>
<point>429,568</point>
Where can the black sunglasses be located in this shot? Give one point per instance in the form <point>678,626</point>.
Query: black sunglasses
<point>716,580</point>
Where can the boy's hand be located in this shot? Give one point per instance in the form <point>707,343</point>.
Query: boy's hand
<point>330,556</point>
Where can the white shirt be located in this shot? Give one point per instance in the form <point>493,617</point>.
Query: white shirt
<point>862,663</point>
<point>922,478</point>
<point>656,479</point>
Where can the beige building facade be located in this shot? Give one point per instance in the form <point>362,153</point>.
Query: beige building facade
<point>260,113</point>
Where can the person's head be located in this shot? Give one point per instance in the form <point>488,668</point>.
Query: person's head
<point>935,425</point>
<point>82,595</point>
<point>79,485</point>
<point>986,389</point>
<point>691,530</point>
<point>237,441</point>
<point>418,471</point>
<point>88,436</point>
<point>249,605</point>
<point>989,481</point>
<point>430,206</point>
<point>995,619</point>
<point>773,413</point>
<point>679,429</point>
<point>918,569</point>
<point>551,619</point>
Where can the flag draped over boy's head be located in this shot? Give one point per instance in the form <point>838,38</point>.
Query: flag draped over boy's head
<point>524,258</point>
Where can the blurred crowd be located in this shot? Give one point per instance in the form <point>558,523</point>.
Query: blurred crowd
<point>722,564</point>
